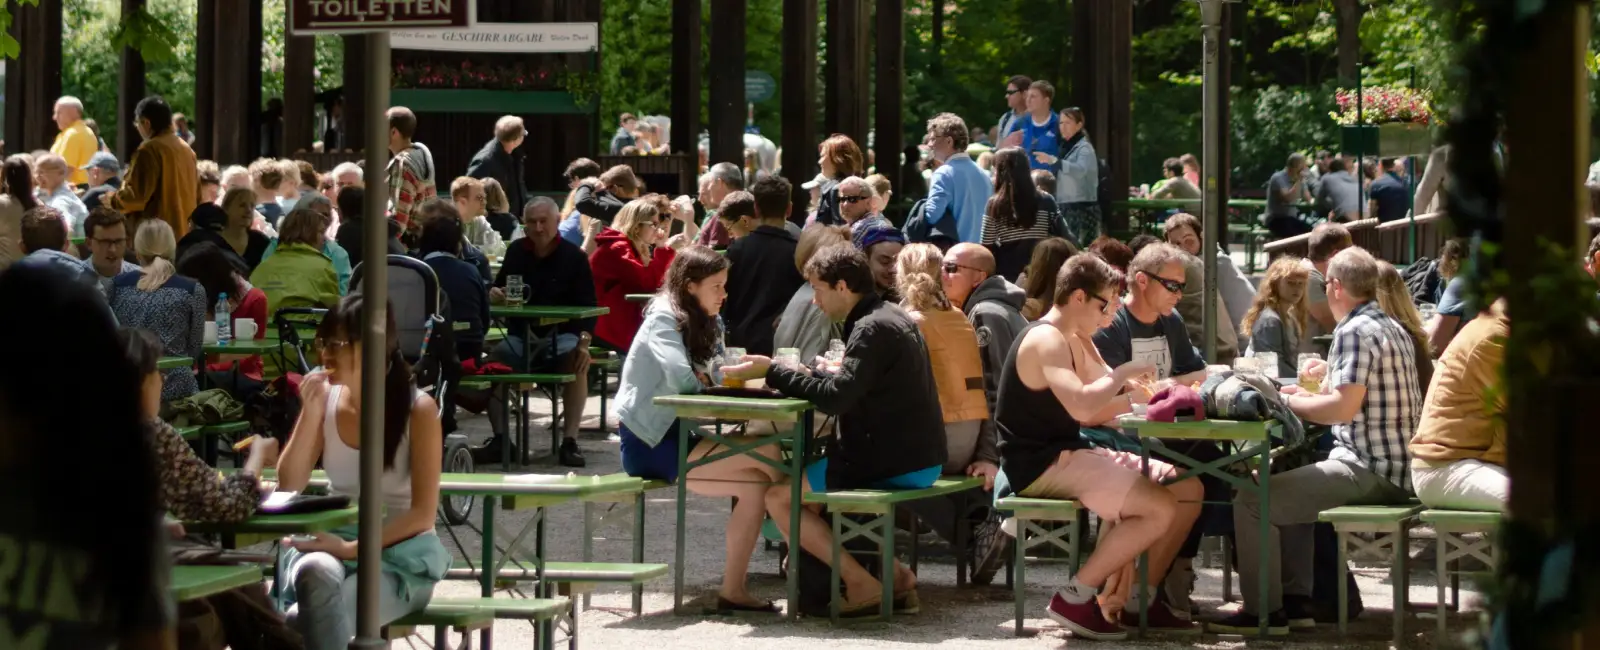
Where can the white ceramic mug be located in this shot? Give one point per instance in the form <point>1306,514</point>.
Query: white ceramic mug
<point>210,336</point>
<point>244,329</point>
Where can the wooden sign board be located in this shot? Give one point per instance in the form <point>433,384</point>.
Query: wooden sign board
<point>310,17</point>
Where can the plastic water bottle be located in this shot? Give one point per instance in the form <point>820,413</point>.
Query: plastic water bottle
<point>224,321</point>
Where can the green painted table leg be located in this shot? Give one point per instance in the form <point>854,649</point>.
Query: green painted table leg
<point>1398,579</point>
<point>490,501</point>
<point>683,495</point>
<point>802,428</point>
<point>1019,571</point>
<point>1144,558</point>
<point>638,549</point>
<point>886,563</point>
<point>833,569</point>
<point>1344,570</point>
<point>547,629</point>
<point>1441,550</point>
<point>1262,585</point>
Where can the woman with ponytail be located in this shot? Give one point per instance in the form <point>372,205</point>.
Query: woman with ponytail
<point>321,570</point>
<point>156,298</point>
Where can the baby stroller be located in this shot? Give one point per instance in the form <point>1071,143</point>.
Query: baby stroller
<point>421,316</point>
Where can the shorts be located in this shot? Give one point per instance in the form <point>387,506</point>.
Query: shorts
<point>1099,478</point>
<point>817,476</point>
<point>512,349</point>
<point>658,463</point>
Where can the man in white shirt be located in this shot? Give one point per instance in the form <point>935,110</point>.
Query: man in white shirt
<point>51,172</point>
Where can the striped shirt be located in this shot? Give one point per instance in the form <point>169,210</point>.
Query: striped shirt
<point>1371,349</point>
<point>996,233</point>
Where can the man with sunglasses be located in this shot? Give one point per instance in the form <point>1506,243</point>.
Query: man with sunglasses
<point>855,205</point>
<point>1016,106</point>
<point>1147,329</point>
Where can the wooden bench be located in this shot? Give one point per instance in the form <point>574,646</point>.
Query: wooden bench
<point>442,619</point>
<point>1391,527</point>
<point>880,506</point>
<point>1026,512</point>
<point>522,382</point>
<point>480,613</point>
<point>595,516</point>
<point>1451,528</point>
<point>604,362</point>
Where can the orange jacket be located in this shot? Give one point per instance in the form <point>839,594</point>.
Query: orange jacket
<point>957,367</point>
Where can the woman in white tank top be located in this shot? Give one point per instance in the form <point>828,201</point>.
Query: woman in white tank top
<point>321,571</point>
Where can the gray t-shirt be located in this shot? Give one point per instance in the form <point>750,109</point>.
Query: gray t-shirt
<point>1270,334</point>
<point>1316,294</point>
<point>1454,302</point>
<point>1280,183</point>
<point>1339,194</point>
<point>1164,343</point>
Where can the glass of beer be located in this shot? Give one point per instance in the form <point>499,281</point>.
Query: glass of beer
<point>1310,378</point>
<point>514,290</point>
<point>1268,363</point>
<point>732,357</point>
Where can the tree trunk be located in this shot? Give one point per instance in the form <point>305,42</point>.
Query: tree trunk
<point>1349,16</point>
<point>938,36</point>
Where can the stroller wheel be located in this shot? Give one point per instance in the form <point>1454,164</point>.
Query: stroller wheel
<point>457,458</point>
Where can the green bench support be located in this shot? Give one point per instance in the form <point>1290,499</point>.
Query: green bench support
<point>880,506</point>
<point>442,619</point>
<point>534,610</point>
<point>1451,528</point>
<point>597,509</point>
<point>522,382</point>
<point>604,362</point>
<point>1026,512</point>
<point>1390,527</point>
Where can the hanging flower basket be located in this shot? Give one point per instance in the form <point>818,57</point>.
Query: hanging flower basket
<point>1392,140</point>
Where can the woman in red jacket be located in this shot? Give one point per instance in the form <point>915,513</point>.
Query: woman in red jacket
<point>628,258</point>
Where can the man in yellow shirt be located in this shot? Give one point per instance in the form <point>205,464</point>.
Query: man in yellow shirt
<point>75,143</point>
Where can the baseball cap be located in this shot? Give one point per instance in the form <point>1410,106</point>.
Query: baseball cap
<point>820,179</point>
<point>103,160</point>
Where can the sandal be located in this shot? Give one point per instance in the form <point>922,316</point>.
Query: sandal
<point>865,609</point>
<point>727,607</point>
<point>907,603</point>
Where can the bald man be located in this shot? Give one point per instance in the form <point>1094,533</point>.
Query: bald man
<point>995,308</point>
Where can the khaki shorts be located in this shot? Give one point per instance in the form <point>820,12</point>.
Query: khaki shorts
<point>1099,478</point>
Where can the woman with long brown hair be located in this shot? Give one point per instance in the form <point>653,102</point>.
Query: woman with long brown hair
<point>679,350</point>
<point>1018,216</point>
<point>1039,279</point>
<point>839,158</point>
<point>1277,317</point>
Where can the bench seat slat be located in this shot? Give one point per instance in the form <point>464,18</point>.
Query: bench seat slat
<point>1369,514</point>
<point>873,500</point>
<point>1486,520</point>
<point>520,378</point>
<point>611,572</point>
<point>503,608</point>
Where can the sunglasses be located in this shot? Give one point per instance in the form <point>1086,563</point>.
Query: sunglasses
<point>1105,305</point>
<point>953,268</point>
<point>851,199</point>
<point>1011,91</point>
<point>1175,286</point>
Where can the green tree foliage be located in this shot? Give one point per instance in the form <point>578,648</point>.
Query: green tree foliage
<point>94,33</point>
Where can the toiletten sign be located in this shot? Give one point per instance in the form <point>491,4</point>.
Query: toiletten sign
<point>308,17</point>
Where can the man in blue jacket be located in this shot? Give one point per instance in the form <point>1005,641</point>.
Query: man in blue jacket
<point>959,192</point>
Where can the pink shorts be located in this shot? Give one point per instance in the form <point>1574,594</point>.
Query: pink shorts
<point>1099,478</point>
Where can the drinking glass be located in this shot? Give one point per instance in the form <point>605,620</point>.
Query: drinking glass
<point>1310,381</point>
<point>835,353</point>
<point>787,357</point>
<point>1269,363</point>
<point>732,357</point>
<point>1244,365</point>
<point>514,290</point>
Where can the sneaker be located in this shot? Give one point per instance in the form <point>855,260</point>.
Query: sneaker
<point>990,546</point>
<point>489,453</point>
<point>1161,619</point>
<point>1249,625</point>
<point>1299,612</point>
<point>571,456</point>
<point>1085,620</point>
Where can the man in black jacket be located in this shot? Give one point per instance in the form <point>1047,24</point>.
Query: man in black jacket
<point>554,272</point>
<point>604,198</point>
<point>763,277</point>
<point>352,201</point>
<point>440,247</point>
<point>891,430</point>
<point>500,160</point>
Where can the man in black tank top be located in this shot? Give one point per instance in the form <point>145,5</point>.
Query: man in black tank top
<point>1041,401</point>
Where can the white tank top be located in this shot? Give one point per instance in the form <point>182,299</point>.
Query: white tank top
<point>343,464</point>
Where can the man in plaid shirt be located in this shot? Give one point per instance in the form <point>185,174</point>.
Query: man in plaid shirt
<point>411,172</point>
<point>1371,399</point>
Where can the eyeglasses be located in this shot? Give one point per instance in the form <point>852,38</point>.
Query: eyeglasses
<point>1012,91</point>
<point>1105,305</point>
<point>953,268</point>
<point>851,199</point>
<point>1175,286</point>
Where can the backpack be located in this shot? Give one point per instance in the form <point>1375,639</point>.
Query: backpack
<point>918,231</point>
<point>1422,280</point>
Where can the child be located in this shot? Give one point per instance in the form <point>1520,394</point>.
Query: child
<point>1277,317</point>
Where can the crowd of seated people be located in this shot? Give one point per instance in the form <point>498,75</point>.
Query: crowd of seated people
<point>996,360</point>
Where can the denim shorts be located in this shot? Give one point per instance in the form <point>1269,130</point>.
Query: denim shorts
<point>660,462</point>
<point>817,476</point>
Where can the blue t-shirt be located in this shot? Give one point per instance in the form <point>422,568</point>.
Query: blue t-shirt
<point>1392,196</point>
<point>571,229</point>
<point>1036,137</point>
<point>1453,302</point>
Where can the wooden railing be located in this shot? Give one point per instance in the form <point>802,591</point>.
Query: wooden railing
<point>1363,233</point>
<point>1394,238</point>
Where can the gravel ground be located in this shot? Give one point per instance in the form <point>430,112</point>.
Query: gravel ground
<point>950,618</point>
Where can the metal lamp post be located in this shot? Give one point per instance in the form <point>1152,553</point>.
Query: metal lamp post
<point>1212,209</point>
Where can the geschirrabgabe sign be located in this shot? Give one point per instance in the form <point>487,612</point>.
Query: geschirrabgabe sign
<point>307,17</point>
<point>502,37</point>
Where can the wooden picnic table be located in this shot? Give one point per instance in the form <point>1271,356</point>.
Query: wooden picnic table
<point>196,582</point>
<point>1248,439</point>
<point>543,316</point>
<point>245,347</point>
<point>547,314</point>
<point>173,363</point>
<point>725,409</point>
<point>639,297</point>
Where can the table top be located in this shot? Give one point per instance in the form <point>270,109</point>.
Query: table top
<point>247,346</point>
<point>462,484</point>
<point>1200,430</point>
<point>547,311</point>
<point>195,582</point>
<point>781,409</point>
<point>296,524</point>
<point>171,363</point>
<point>1184,203</point>
<point>639,297</point>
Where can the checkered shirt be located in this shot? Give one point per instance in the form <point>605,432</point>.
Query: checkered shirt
<point>1373,350</point>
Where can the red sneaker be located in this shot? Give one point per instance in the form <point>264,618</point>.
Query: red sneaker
<point>1160,619</point>
<point>1085,620</point>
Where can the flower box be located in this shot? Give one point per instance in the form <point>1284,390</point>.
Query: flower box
<point>505,102</point>
<point>1392,140</point>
